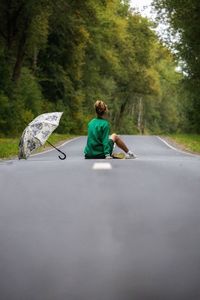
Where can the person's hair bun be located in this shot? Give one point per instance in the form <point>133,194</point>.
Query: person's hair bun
<point>100,107</point>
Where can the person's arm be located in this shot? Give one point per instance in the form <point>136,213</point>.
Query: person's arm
<point>105,138</point>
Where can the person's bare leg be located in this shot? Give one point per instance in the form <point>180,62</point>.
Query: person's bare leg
<point>116,139</point>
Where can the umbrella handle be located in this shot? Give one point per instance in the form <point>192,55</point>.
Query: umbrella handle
<point>64,155</point>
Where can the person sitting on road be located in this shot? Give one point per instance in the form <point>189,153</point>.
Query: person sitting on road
<point>99,143</point>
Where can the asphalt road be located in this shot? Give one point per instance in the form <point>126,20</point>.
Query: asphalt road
<point>132,232</point>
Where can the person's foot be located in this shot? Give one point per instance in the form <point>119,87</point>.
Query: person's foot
<point>130,155</point>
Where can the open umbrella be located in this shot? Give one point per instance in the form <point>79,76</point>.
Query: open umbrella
<point>37,133</point>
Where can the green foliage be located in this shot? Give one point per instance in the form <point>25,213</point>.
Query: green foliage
<point>26,102</point>
<point>63,55</point>
<point>4,113</point>
<point>183,18</point>
<point>23,27</point>
<point>28,92</point>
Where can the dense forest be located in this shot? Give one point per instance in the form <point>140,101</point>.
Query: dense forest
<point>63,55</point>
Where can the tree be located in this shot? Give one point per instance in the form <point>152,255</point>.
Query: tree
<point>23,28</point>
<point>183,18</point>
<point>63,55</point>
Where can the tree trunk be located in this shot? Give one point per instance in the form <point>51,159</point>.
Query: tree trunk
<point>20,55</point>
<point>119,116</point>
<point>35,56</point>
<point>18,63</point>
<point>140,116</point>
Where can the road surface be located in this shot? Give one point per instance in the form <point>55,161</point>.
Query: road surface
<point>130,232</point>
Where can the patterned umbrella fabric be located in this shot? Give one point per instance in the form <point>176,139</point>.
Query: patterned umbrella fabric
<point>37,133</point>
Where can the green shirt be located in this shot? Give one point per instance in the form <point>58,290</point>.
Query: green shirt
<point>98,143</point>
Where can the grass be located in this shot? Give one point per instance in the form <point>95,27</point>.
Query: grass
<point>9,146</point>
<point>188,142</point>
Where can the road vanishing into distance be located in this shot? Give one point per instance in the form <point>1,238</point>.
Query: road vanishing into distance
<point>82,230</point>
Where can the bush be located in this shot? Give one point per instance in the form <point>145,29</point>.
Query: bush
<point>27,102</point>
<point>4,112</point>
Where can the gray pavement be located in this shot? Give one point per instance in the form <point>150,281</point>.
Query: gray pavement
<point>68,232</point>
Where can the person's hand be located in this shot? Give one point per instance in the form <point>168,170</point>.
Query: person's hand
<point>108,157</point>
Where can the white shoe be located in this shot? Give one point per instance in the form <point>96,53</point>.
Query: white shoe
<point>130,155</point>
<point>108,157</point>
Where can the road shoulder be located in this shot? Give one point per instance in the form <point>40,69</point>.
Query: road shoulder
<point>177,146</point>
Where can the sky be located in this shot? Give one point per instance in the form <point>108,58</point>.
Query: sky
<point>143,6</point>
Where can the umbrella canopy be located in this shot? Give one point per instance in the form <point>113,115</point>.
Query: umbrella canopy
<point>37,132</point>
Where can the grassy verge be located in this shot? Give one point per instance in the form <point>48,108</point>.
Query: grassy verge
<point>187,142</point>
<point>9,146</point>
